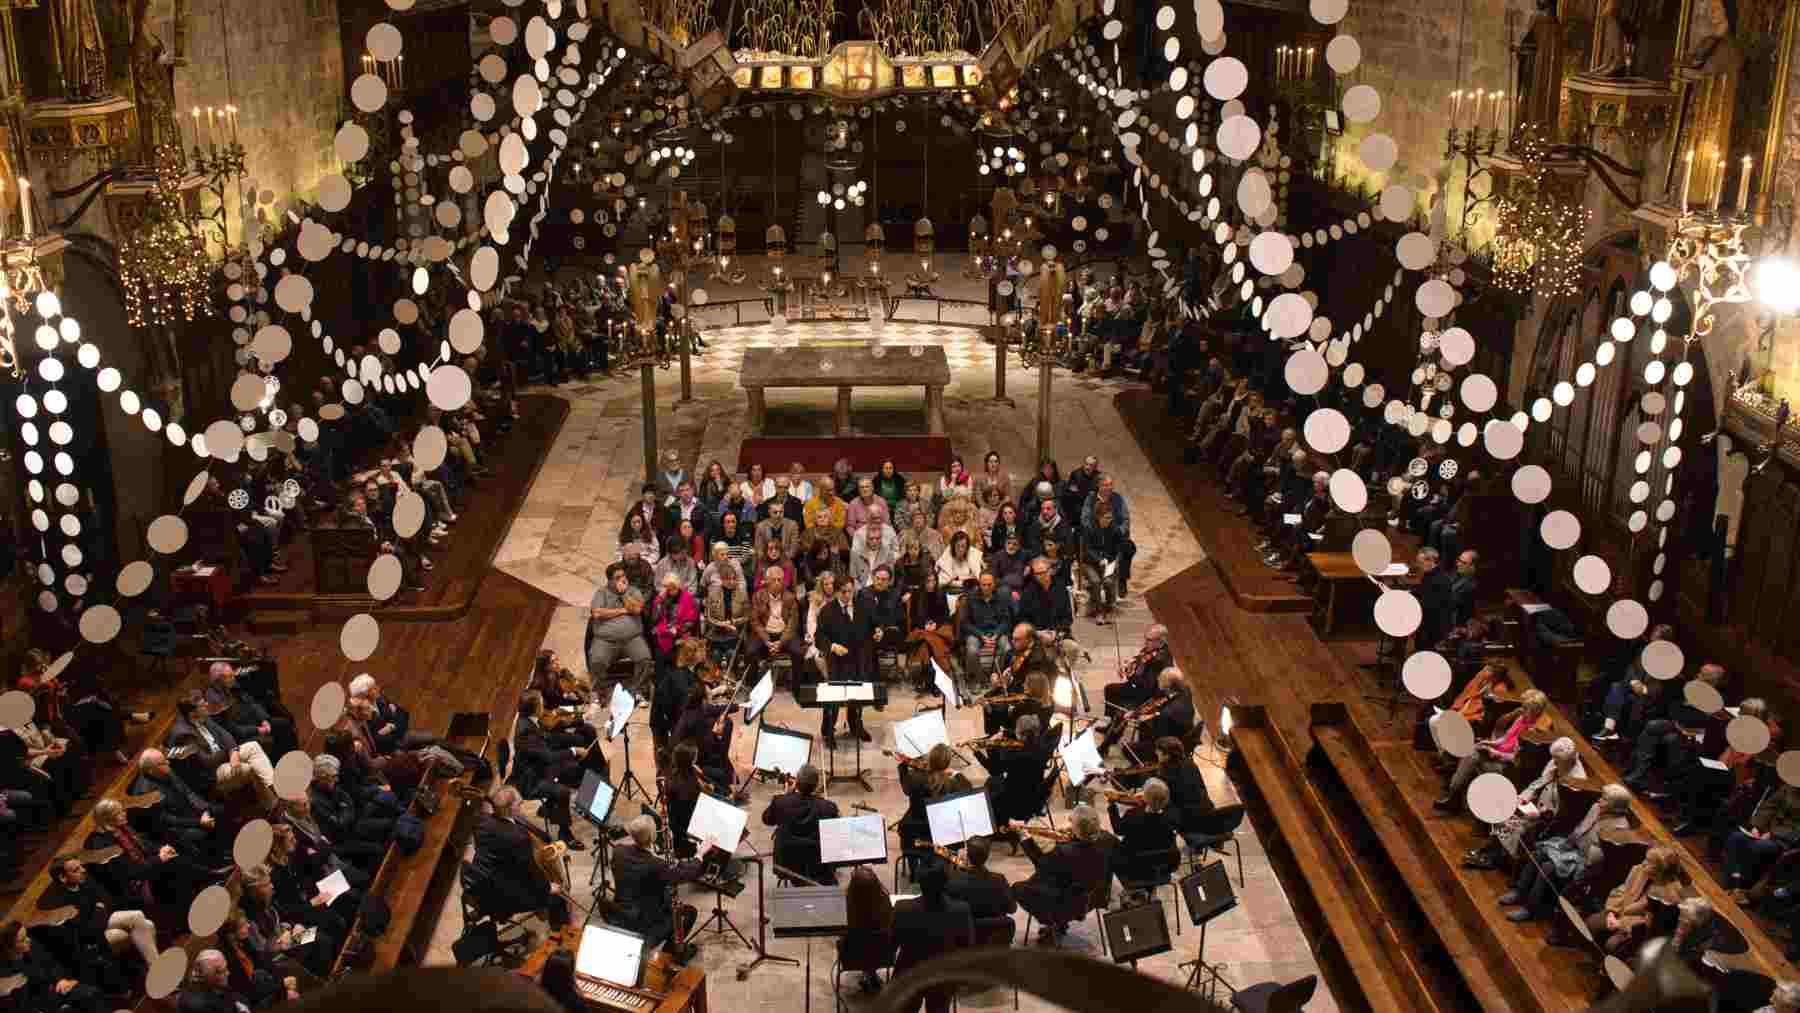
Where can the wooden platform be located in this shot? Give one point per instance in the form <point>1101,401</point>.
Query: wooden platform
<point>460,563</point>
<point>1228,540</point>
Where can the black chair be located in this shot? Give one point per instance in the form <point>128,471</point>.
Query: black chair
<point>1165,862</point>
<point>1221,837</point>
<point>484,939</point>
<point>1274,997</point>
<point>160,642</point>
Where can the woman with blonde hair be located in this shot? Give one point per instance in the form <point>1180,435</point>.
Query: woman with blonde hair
<point>925,783</point>
<point>1658,878</point>
<point>1497,753</point>
<point>1538,801</point>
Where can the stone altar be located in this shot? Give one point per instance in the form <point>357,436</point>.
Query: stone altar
<point>846,368</point>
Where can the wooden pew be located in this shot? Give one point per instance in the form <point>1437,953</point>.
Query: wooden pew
<point>1552,669</point>
<point>414,886</point>
<point>341,558</point>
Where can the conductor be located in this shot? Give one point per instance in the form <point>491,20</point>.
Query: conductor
<point>843,638</point>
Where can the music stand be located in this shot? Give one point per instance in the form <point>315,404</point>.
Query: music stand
<point>877,699</point>
<point>595,800</point>
<point>1137,932</point>
<point>761,947</point>
<point>809,911</point>
<point>1208,895</point>
<point>618,723</point>
<point>776,751</point>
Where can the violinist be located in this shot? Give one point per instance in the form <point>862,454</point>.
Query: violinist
<point>677,686</point>
<point>929,784</point>
<point>681,793</point>
<point>1189,804</point>
<point>1174,716</point>
<point>709,728</point>
<point>504,874</point>
<point>1016,775</point>
<point>795,815</point>
<point>987,893</point>
<point>1137,678</point>
<point>558,686</point>
<point>548,765</point>
<point>1146,834</point>
<point>643,888</point>
<point>1067,875</point>
<point>1027,655</point>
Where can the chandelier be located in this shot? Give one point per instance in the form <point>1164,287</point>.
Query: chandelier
<point>162,263</point>
<point>1538,230</point>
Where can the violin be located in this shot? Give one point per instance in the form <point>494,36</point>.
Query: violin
<point>950,856</point>
<point>1047,833</point>
<point>1124,797</point>
<point>915,762</point>
<point>1149,708</point>
<point>995,741</point>
<point>1141,770</point>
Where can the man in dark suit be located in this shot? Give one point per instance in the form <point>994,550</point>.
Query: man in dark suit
<point>1067,876</point>
<point>887,614</point>
<point>548,765</point>
<point>1137,681</point>
<point>504,873</point>
<point>927,926</point>
<point>1173,719</point>
<point>643,884</point>
<point>795,815</point>
<point>182,815</point>
<point>201,745</point>
<point>793,508</point>
<point>843,636</point>
<point>1436,601</point>
<point>1044,603</point>
<point>988,894</point>
<point>245,717</point>
<point>1146,835</point>
<point>1463,586</point>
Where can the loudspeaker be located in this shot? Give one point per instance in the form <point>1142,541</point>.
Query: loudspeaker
<point>1134,933</point>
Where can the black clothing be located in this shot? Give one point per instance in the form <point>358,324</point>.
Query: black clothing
<point>988,894</point>
<point>1437,608</point>
<point>855,631</point>
<point>1067,877</point>
<point>1145,840</point>
<point>795,818</point>
<point>922,932</point>
<point>1045,608</point>
<point>1189,804</point>
<point>505,874</point>
<point>641,890</point>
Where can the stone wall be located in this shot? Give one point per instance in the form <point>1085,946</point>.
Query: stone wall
<point>281,63</point>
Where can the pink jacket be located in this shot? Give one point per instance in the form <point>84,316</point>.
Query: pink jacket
<point>673,624</point>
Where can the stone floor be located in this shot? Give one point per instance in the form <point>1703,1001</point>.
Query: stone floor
<point>567,533</point>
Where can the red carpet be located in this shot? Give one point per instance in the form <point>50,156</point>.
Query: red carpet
<point>914,455</point>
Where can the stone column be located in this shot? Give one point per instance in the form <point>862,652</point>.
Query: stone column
<point>647,372</point>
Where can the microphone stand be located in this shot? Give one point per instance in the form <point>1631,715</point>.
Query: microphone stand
<point>788,874</point>
<point>761,947</point>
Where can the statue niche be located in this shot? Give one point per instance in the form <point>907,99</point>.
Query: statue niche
<point>80,50</point>
<point>1539,72</point>
<point>153,80</point>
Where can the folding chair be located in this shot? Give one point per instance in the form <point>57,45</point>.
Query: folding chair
<point>1222,839</point>
<point>484,939</point>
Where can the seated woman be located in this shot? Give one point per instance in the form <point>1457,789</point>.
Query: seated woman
<point>1659,877</point>
<point>1560,861</point>
<point>254,971</point>
<point>1538,801</point>
<point>44,982</point>
<point>637,532</point>
<point>1497,753</point>
<point>929,622</point>
<point>868,940</point>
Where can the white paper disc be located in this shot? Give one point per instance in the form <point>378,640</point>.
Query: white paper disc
<point>1371,550</point>
<point>209,910</point>
<point>293,775</point>
<point>409,513</point>
<point>135,577</point>
<point>1560,529</point>
<point>1348,491</point>
<point>1747,734</point>
<point>429,448</point>
<point>100,624</point>
<point>1592,575</point>
<point>1627,619</point>
<point>1663,659</point>
<point>1702,697</point>
<point>1451,731</point>
<point>17,708</point>
<point>360,636</point>
<point>1398,613</point>
<point>167,534</point>
<point>167,972</point>
<point>1426,675</point>
<point>328,705</point>
<point>1492,798</point>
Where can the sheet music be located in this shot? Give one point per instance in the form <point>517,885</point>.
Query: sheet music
<point>825,692</point>
<point>956,819</point>
<point>610,954</point>
<point>952,597</point>
<point>1534,608</point>
<point>717,821</point>
<point>916,735</point>
<point>895,898</point>
<point>760,694</point>
<point>1112,567</point>
<point>1712,764</point>
<point>945,685</point>
<point>334,886</point>
<point>1290,519</point>
<point>853,839</point>
<point>777,749</point>
<point>1081,757</point>
<point>1394,570</point>
<point>859,691</point>
<point>620,708</point>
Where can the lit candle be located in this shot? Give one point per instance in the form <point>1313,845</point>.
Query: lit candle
<point>25,203</point>
<point>1744,188</point>
<point>1497,97</point>
<point>403,70</point>
<point>1310,50</point>
<point>1475,119</point>
<point>1687,177</point>
<point>2,211</point>
<point>1718,185</point>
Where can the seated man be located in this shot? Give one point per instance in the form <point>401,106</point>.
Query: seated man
<point>986,616</point>
<point>987,893</point>
<point>1066,877</point>
<point>504,867</point>
<point>182,816</point>
<point>1044,602</point>
<point>795,815</point>
<point>99,914</point>
<point>776,623</point>
<point>643,889</point>
<point>548,765</point>
<point>615,627</point>
<point>207,752</point>
<point>248,719</point>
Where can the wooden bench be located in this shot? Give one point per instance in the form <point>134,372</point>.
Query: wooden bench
<point>1552,669</point>
<point>1362,953</point>
<point>341,559</point>
<point>414,886</point>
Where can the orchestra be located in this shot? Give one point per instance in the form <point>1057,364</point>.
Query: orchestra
<point>832,635</point>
